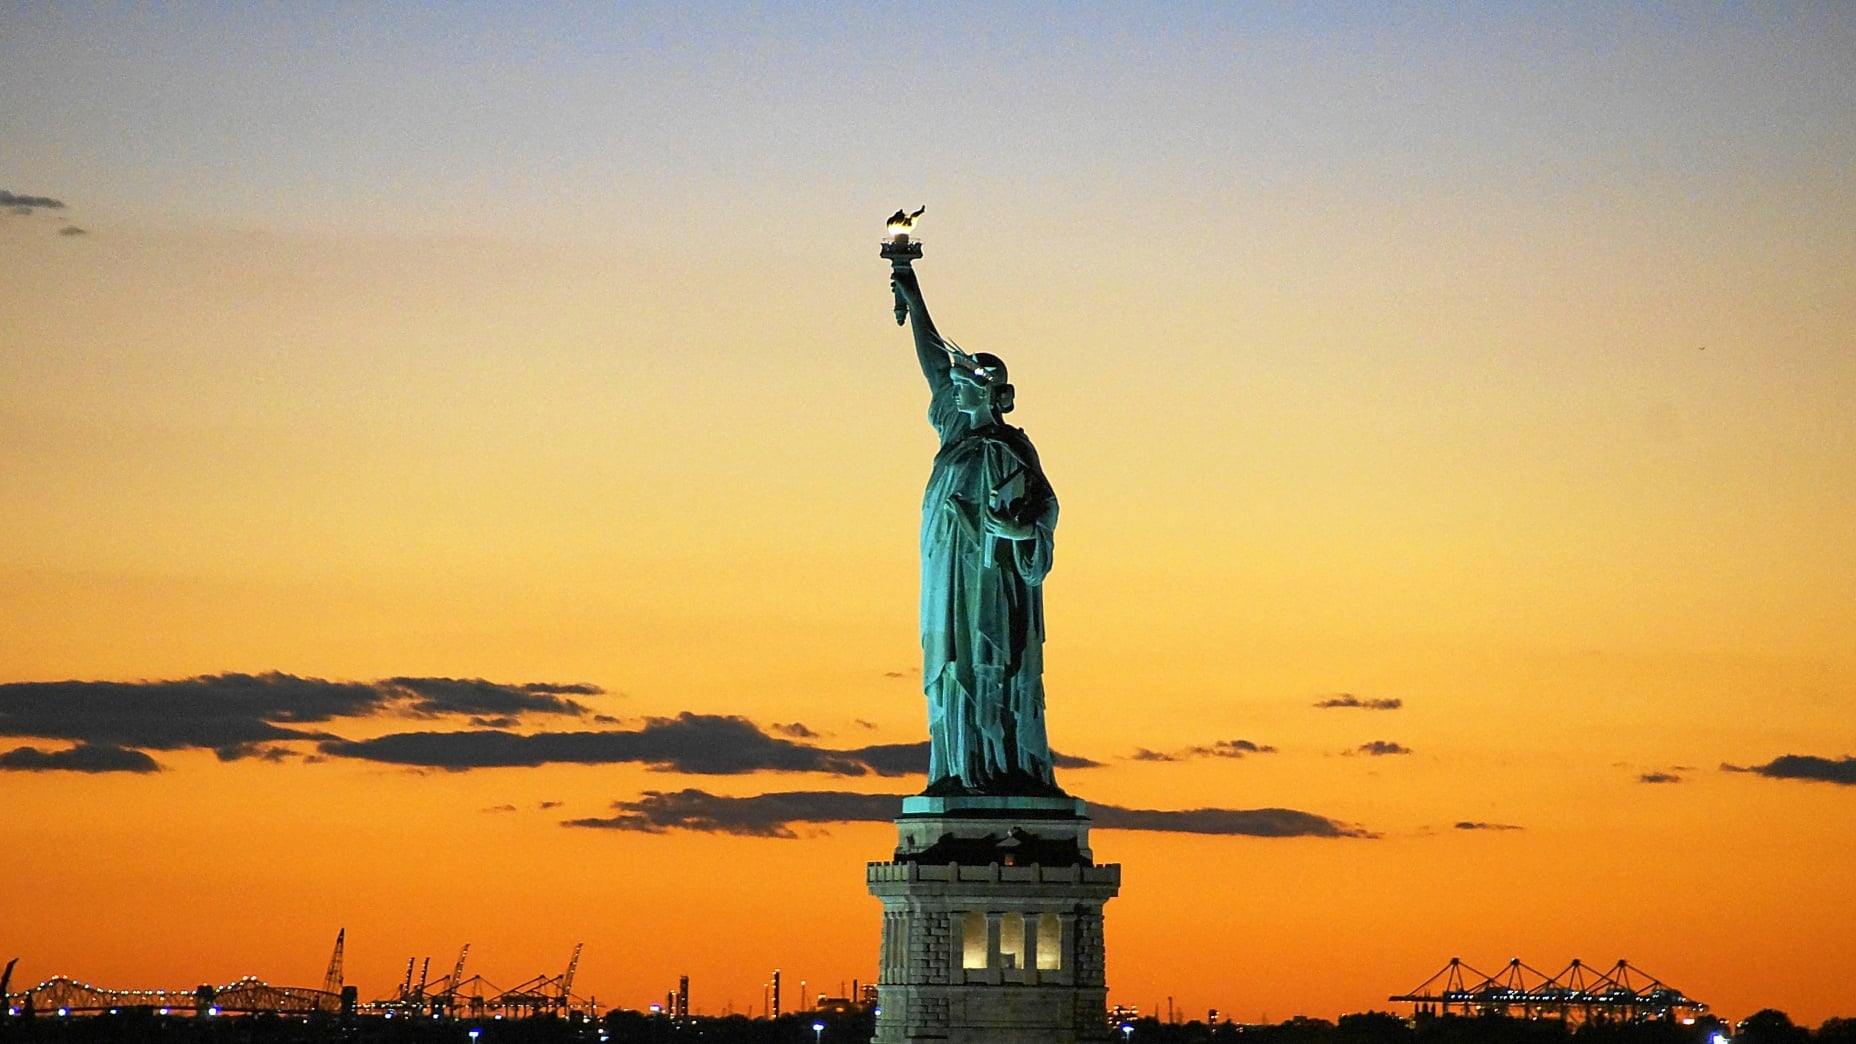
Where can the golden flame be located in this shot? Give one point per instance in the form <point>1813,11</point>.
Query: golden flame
<point>901,223</point>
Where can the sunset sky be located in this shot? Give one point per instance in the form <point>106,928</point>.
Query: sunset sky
<point>459,481</point>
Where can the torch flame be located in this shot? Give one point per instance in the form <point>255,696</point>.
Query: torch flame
<point>901,223</point>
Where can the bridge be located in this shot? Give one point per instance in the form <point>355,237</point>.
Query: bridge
<point>1579,993</point>
<point>250,995</point>
<point>452,995</point>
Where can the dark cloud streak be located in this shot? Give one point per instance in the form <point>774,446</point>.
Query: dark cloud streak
<point>1807,767</point>
<point>894,759</point>
<point>1229,822</point>
<point>762,815</point>
<point>698,744</point>
<point>435,696</point>
<point>1220,749</point>
<point>1348,699</point>
<point>241,716</point>
<point>226,711</point>
<point>27,204</point>
<point>775,815</point>
<point>84,757</point>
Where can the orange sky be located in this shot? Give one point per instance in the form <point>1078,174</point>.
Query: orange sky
<point>1496,363</point>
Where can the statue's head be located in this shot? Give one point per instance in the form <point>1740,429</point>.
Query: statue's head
<point>984,383</point>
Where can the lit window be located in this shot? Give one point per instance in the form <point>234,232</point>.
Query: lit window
<point>1012,941</point>
<point>1050,943</point>
<point>972,940</point>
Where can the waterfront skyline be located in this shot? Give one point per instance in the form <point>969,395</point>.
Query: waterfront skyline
<point>1449,407</point>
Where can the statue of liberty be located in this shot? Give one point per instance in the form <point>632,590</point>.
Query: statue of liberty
<point>988,517</point>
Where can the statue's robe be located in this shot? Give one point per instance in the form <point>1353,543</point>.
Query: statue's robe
<point>982,608</point>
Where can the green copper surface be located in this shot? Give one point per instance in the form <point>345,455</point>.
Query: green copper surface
<point>988,519</point>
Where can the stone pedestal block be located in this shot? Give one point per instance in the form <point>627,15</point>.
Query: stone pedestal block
<point>992,924</point>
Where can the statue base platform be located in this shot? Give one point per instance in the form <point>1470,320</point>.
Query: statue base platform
<point>992,923</point>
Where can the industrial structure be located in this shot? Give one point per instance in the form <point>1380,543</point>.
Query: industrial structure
<point>477,997</point>
<point>1578,994</point>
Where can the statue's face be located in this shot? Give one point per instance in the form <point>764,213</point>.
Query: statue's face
<point>982,391</point>
<point>970,397</point>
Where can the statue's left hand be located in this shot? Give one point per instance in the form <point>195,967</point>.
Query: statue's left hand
<point>966,513</point>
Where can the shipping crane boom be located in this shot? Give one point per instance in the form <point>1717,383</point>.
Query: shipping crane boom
<point>332,980</point>
<point>567,980</point>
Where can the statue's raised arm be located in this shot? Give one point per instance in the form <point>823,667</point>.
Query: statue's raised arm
<point>930,350</point>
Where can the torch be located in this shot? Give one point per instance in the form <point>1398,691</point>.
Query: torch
<point>900,248</point>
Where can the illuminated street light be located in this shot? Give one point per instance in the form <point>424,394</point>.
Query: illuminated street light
<point>818,1032</point>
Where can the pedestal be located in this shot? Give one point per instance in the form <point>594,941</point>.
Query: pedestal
<point>992,924</point>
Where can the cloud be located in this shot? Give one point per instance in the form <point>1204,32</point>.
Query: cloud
<point>763,815</point>
<point>429,697</point>
<point>1478,825</point>
<point>84,757</point>
<point>896,674</point>
<point>1659,777</point>
<point>1348,699</point>
<point>213,712</point>
<point>795,729</point>
<point>73,230</point>
<point>1230,822</point>
<point>775,815</point>
<point>699,744</point>
<point>546,805</point>
<point>246,715</point>
<point>262,752</point>
<point>1380,748</point>
<point>1807,767</point>
<point>864,724</point>
<point>27,204</point>
<point>1219,749</point>
<point>894,759</point>
<point>498,808</point>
